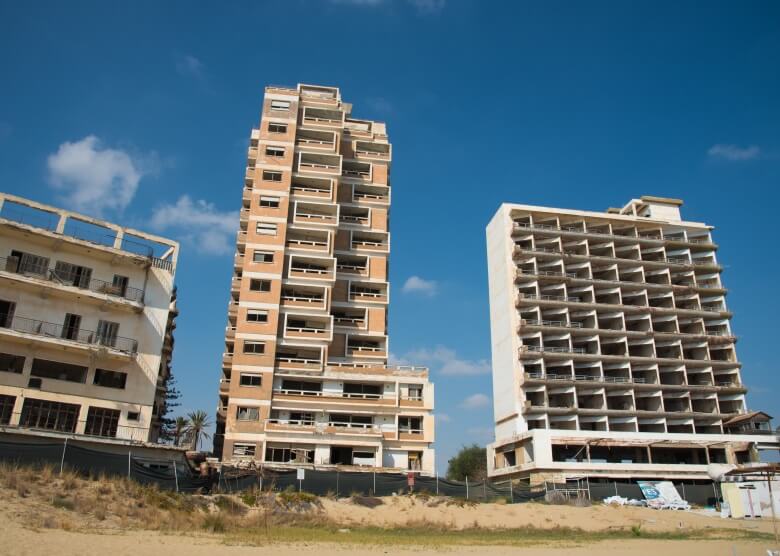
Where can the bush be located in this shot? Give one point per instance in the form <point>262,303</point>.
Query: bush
<point>64,503</point>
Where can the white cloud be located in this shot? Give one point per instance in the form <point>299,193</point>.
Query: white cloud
<point>189,65</point>
<point>734,153</point>
<point>446,360</point>
<point>415,284</point>
<point>475,401</point>
<point>93,178</point>
<point>198,222</point>
<point>442,417</point>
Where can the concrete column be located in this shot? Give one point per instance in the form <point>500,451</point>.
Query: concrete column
<point>707,454</point>
<point>60,229</point>
<point>120,234</point>
<point>649,454</point>
<point>16,414</point>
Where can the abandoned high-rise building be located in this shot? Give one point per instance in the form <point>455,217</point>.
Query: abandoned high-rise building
<point>613,354</point>
<point>305,378</point>
<point>87,311</point>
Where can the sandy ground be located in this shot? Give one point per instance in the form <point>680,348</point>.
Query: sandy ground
<point>18,539</point>
<point>399,511</point>
<point>22,542</point>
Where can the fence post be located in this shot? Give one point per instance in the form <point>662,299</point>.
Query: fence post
<point>467,487</point>
<point>683,489</point>
<point>337,483</point>
<point>511,493</point>
<point>484,489</point>
<point>374,492</point>
<point>175,475</point>
<point>616,491</point>
<point>62,460</point>
<point>437,483</point>
<point>129,452</point>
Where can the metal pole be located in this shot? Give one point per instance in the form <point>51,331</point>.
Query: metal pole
<point>772,505</point>
<point>467,487</point>
<point>62,460</point>
<point>511,493</point>
<point>175,475</point>
<point>128,462</point>
<point>685,497</point>
<point>616,492</point>
<point>374,474</point>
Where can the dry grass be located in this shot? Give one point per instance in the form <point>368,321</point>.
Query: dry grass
<point>47,500</point>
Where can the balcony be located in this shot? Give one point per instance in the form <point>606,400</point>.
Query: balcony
<point>370,150</point>
<point>368,292</point>
<point>307,328</point>
<point>357,170</point>
<point>352,265</point>
<point>299,296</point>
<point>315,139</point>
<point>312,187</point>
<point>12,326</point>
<point>298,360</point>
<point>366,346</point>
<point>319,163</point>
<point>355,216</point>
<point>308,240</point>
<point>370,241</point>
<point>315,268</point>
<point>322,117</point>
<point>20,271</point>
<point>366,194</point>
<point>316,213</point>
<point>350,318</point>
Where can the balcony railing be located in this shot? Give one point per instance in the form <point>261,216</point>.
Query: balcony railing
<point>57,331</point>
<point>521,225</point>
<point>13,265</point>
<point>553,349</point>
<point>669,260</point>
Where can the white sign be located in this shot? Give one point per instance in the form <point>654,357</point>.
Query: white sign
<point>301,473</point>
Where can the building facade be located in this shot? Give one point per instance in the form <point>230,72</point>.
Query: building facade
<point>305,378</point>
<point>86,319</point>
<point>613,354</point>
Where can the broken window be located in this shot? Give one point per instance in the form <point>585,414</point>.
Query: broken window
<point>45,414</point>
<point>102,422</point>
<point>110,379</point>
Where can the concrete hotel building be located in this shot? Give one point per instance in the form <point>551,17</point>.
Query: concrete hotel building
<point>86,319</point>
<point>613,355</point>
<point>305,378</point>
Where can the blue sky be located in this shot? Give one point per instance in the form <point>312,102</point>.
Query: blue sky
<point>140,112</point>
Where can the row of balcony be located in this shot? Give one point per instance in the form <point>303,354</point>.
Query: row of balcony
<point>614,302</point>
<point>56,332</point>
<point>631,234</point>
<point>594,328</point>
<point>38,270</point>
<point>613,278</point>
<point>650,380</point>
<point>657,263</point>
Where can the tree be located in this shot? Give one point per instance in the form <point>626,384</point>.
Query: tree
<point>180,426</point>
<point>197,423</point>
<point>167,422</point>
<point>470,461</point>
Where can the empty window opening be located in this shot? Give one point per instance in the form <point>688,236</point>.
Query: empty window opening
<point>110,379</point>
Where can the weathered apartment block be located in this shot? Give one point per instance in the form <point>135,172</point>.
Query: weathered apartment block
<point>87,311</point>
<point>305,378</point>
<point>613,354</point>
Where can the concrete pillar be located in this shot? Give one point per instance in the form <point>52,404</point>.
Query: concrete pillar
<point>60,229</point>
<point>649,454</point>
<point>120,234</point>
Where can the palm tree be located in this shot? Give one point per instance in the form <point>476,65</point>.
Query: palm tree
<point>179,430</point>
<point>198,422</point>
